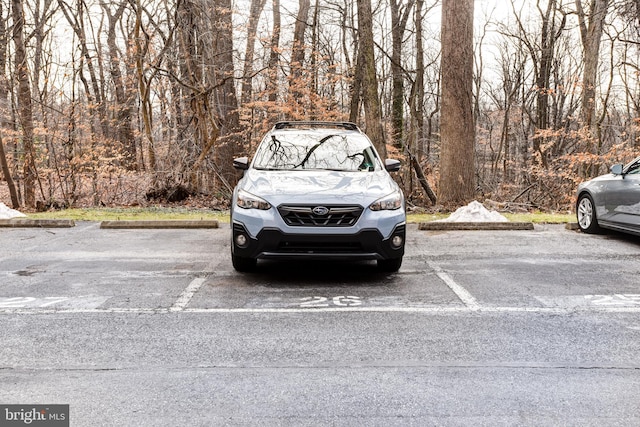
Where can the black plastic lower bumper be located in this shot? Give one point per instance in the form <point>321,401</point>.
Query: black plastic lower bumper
<point>272,243</point>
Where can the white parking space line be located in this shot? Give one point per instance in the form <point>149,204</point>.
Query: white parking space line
<point>464,295</point>
<point>410,310</point>
<point>185,298</point>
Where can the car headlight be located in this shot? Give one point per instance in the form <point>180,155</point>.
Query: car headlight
<point>390,202</point>
<point>249,201</point>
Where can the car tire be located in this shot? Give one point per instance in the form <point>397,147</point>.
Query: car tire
<point>586,214</point>
<point>389,265</point>
<point>243,265</point>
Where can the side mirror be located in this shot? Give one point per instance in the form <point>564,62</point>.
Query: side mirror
<point>616,169</point>
<point>392,165</point>
<point>241,163</point>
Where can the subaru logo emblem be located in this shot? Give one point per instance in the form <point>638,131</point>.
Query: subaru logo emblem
<point>320,210</point>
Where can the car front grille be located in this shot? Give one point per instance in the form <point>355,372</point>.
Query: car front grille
<point>320,215</point>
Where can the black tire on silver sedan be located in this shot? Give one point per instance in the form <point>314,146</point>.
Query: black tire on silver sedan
<point>586,214</point>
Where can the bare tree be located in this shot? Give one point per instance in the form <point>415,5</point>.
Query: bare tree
<point>457,171</point>
<point>298,52</point>
<point>415,147</point>
<point>123,101</point>
<point>4,108</point>
<point>506,98</point>
<point>542,54</point>
<point>6,171</point>
<point>400,14</point>
<point>24,101</point>
<point>591,34</point>
<point>93,87</point>
<point>162,84</point>
<point>225,102</point>
<point>274,53</point>
<point>371,100</point>
<point>252,28</point>
<point>141,43</point>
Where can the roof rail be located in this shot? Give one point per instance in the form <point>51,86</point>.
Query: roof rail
<point>308,124</point>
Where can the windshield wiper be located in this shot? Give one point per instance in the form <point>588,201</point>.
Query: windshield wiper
<point>271,169</point>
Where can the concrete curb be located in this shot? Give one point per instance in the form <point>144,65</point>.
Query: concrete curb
<point>163,224</point>
<point>439,226</point>
<point>40,223</point>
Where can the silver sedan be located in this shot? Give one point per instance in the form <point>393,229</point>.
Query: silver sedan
<point>611,201</point>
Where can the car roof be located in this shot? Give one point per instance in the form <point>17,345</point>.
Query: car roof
<point>300,125</point>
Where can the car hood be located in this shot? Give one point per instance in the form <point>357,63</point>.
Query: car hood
<point>304,187</point>
<point>594,181</point>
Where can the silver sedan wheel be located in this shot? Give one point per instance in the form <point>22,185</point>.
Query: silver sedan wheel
<point>587,220</point>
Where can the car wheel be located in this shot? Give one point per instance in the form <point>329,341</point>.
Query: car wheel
<point>586,214</point>
<point>243,265</point>
<point>389,265</point>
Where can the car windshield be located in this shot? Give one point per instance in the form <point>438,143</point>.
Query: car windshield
<point>313,151</point>
<point>633,167</point>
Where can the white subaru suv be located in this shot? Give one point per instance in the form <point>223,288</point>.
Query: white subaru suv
<point>317,190</point>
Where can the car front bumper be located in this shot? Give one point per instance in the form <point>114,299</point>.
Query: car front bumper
<point>273,243</point>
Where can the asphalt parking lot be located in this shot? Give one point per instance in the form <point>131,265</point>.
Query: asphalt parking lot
<point>153,327</point>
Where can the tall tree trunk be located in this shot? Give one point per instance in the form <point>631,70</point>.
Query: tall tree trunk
<point>123,107</point>
<point>298,55</point>
<point>417,101</point>
<point>371,100</point>
<point>313,66</point>
<point>416,149</point>
<point>356,88</point>
<point>193,55</point>
<point>351,63</point>
<point>399,17</point>
<point>6,171</point>
<point>226,101</point>
<point>591,33</point>
<point>549,36</point>
<point>4,109</point>
<point>457,169</point>
<point>144,87</point>
<point>274,53</point>
<point>254,16</point>
<point>24,102</point>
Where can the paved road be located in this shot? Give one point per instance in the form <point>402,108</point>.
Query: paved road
<point>153,327</point>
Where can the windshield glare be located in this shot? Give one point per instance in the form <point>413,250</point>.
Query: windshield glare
<point>305,151</point>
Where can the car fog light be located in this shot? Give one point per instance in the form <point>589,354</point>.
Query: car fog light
<point>396,242</point>
<point>241,240</point>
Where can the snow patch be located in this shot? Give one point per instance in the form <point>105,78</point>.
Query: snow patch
<point>8,213</point>
<point>474,212</point>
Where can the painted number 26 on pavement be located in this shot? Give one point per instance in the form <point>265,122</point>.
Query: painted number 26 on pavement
<point>339,301</point>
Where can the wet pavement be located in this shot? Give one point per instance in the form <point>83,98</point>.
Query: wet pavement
<point>153,327</point>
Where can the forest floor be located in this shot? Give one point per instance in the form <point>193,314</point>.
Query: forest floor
<point>195,208</point>
<point>185,213</point>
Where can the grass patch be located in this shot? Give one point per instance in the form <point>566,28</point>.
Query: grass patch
<point>541,217</point>
<point>163,213</point>
<point>425,217</point>
<point>128,214</point>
